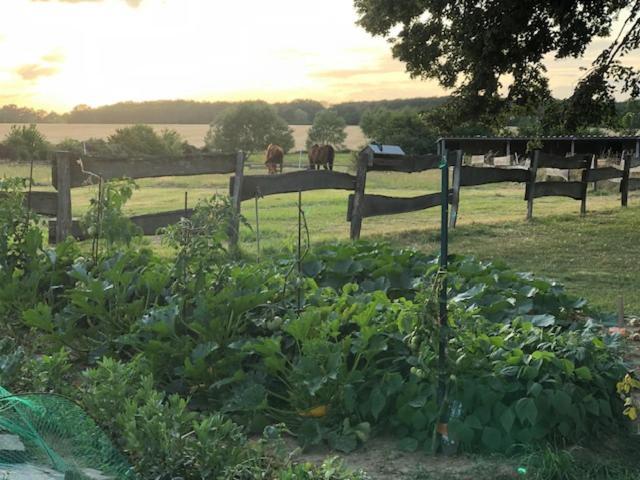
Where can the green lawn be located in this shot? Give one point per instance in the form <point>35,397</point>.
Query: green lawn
<point>595,256</point>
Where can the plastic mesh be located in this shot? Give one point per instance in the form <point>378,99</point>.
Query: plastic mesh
<point>53,436</point>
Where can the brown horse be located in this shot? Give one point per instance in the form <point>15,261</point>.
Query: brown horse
<point>321,155</point>
<point>275,156</point>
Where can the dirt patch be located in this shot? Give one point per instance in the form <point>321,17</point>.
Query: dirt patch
<point>381,459</point>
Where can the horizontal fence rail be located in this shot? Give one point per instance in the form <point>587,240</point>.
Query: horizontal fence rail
<point>149,223</point>
<point>43,203</point>
<point>262,185</point>
<point>86,170</point>
<point>406,164</point>
<point>548,160</point>
<point>604,173</point>
<point>376,205</point>
<point>573,190</point>
<point>473,176</point>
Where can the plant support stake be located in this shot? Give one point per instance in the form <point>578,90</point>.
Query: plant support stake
<point>444,239</point>
<point>257,228</point>
<point>299,251</point>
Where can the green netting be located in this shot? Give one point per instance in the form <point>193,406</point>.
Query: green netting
<point>53,436</point>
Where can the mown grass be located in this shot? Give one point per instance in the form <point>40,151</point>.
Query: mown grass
<point>596,256</point>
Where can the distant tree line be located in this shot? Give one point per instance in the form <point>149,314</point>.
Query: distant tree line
<point>296,112</point>
<point>252,126</point>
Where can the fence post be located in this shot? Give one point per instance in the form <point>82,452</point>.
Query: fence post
<point>364,158</point>
<point>624,183</point>
<point>62,164</point>
<point>455,201</point>
<point>533,173</point>
<point>236,201</point>
<point>585,185</point>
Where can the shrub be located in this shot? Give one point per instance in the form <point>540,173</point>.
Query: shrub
<point>328,129</point>
<point>143,139</point>
<point>26,143</point>
<point>250,127</point>
<point>399,127</point>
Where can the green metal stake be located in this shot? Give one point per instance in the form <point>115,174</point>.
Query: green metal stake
<point>444,253</point>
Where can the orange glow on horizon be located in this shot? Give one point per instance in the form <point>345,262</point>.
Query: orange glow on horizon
<point>57,54</point>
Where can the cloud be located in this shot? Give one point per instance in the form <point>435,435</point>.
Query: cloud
<point>55,56</point>
<point>382,67</point>
<point>33,71</point>
<point>131,3</point>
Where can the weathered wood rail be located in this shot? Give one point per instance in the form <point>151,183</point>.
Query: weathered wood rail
<point>376,205</point>
<point>363,205</point>
<point>73,171</point>
<point>43,203</point>
<point>575,190</point>
<point>149,223</point>
<point>305,180</point>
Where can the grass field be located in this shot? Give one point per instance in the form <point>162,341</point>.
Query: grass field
<point>595,256</point>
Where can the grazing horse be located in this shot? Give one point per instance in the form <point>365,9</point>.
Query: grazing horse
<point>321,155</point>
<point>275,156</point>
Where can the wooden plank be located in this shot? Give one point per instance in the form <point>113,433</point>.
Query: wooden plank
<point>531,185</point>
<point>624,182</point>
<point>376,205</point>
<point>152,222</point>
<point>356,201</point>
<point>44,203</point>
<point>557,189</point>
<point>91,168</point>
<point>148,223</point>
<point>305,180</point>
<point>471,176</point>
<point>455,202</point>
<point>548,160</point>
<point>63,186</point>
<point>407,164</point>
<point>236,202</point>
<point>604,173</point>
<point>75,230</point>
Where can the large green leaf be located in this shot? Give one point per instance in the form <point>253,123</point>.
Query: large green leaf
<point>526,410</point>
<point>506,420</point>
<point>492,438</point>
<point>378,401</point>
<point>561,401</point>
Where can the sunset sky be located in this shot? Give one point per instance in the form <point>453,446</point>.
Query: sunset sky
<point>55,54</point>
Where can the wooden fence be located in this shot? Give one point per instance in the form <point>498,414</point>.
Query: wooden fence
<point>363,205</point>
<point>469,176</point>
<point>72,171</point>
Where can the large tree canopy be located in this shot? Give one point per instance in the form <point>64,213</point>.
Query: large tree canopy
<point>480,47</point>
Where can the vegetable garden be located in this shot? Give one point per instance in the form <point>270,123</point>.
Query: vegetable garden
<point>201,365</point>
